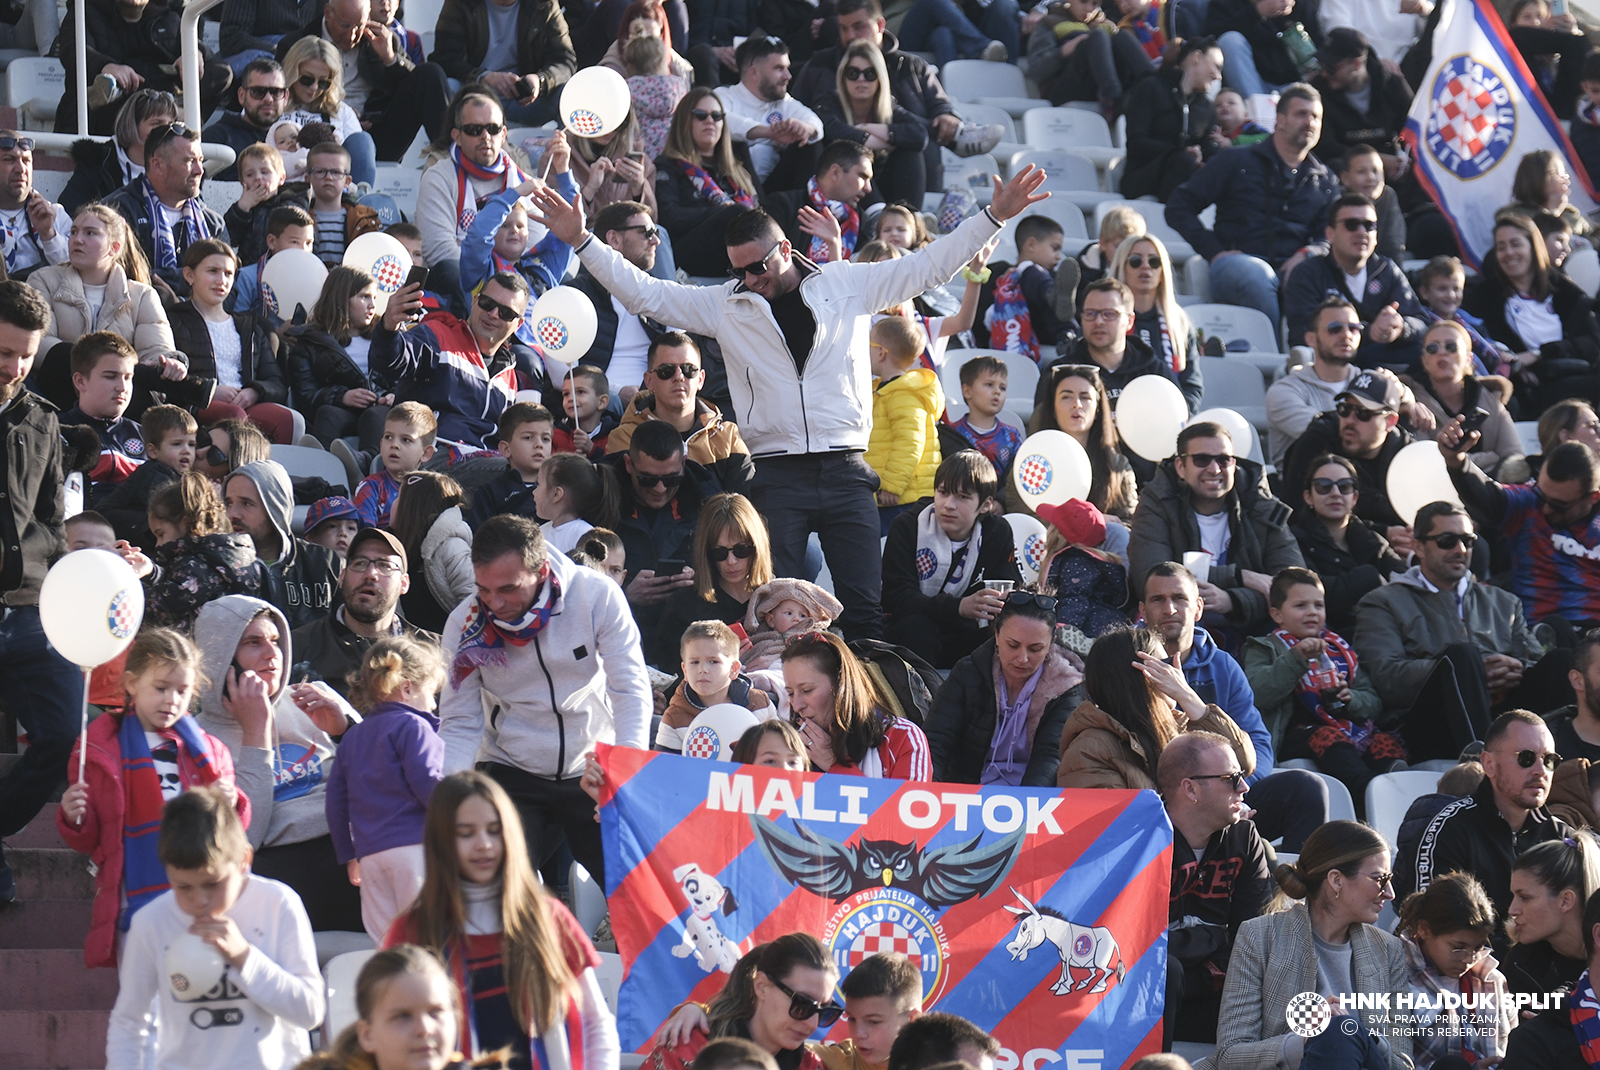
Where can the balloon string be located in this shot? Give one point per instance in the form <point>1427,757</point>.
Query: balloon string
<point>83,734</point>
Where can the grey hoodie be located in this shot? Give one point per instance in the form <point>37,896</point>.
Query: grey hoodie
<point>302,581</point>
<point>287,783</point>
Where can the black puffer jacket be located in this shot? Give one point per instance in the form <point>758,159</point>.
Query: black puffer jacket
<point>1372,474</point>
<point>97,173</point>
<point>320,371</point>
<point>147,46</point>
<point>961,721</point>
<point>1347,575</point>
<point>1162,123</point>
<point>31,536</point>
<point>258,365</point>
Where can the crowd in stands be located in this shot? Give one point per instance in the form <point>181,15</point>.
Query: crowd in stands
<point>372,707</point>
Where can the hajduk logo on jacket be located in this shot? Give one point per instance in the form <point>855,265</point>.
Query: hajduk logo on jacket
<point>1479,112</point>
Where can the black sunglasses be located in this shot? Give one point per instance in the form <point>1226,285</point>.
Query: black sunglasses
<point>649,231</point>
<point>860,74</point>
<point>1555,506</point>
<point>1028,598</point>
<point>1432,348</point>
<point>1328,486</point>
<point>505,312</point>
<point>309,80</point>
<point>742,550</point>
<point>1450,540</point>
<point>702,115</point>
<point>1526,758</point>
<point>475,129</point>
<point>1360,412</point>
<point>1235,780</point>
<point>803,1007</point>
<point>668,372</point>
<point>8,143</point>
<point>262,92</point>
<point>1139,260</point>
<point>652,482</point>
<point>1368,225</point>
<point>1206,460</point>
<point>757,268</point>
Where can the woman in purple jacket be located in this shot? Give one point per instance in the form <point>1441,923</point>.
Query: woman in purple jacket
<point>387,767</point>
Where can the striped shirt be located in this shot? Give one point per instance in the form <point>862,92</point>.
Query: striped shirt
<point>330,237</point>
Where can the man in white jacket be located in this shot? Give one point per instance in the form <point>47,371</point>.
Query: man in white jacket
<point>544,662</point>
<point>794,340</point>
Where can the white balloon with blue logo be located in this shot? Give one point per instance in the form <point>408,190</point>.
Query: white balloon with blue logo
<point>564,324</point>
<point>384,258</point>
<point>1028,535</point>
<point>292,278</point>
<point>595,101</point>
<point>1049,468</point>
<point>715,730</point>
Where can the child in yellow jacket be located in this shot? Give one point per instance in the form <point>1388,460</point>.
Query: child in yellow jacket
<point>906,403</point>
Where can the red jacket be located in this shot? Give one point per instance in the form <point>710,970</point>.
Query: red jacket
<point>100,835</point>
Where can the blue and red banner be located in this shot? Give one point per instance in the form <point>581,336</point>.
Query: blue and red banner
<point>1478,112</point>
<point>1038,914</point>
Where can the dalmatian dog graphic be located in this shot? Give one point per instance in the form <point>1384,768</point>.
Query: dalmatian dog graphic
<point>701,937</point>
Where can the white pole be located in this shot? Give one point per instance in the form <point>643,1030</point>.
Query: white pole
<point>83,732</point>
<point>82,51</point>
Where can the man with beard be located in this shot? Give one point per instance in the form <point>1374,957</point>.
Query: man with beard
<point>261,93</point>
<point>43,689</point>
<point>761,112</point>
<point>35,230</point>
<point>376,574</point>
<point>163,205</point>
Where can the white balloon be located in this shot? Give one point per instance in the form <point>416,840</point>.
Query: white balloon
<point>564,323</point>
<point>594,101</point>
<point>1028,534</point>
<point>91,605</point>
<point>1417,476</point>
<point>384,258</point>
<point>1238,428</point>
<point>715,730</point>
<point>1050,467</point>
<point>1150,413</point>
<point>193,968</point>
<point>292,277</point>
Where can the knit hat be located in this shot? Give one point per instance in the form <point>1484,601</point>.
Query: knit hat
<point>1079,522</point>
<point>819,604</point>
<point>333,507</point>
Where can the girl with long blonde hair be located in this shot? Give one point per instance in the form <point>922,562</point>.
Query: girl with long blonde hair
<point>1141,261</point>
<point>314,74</point>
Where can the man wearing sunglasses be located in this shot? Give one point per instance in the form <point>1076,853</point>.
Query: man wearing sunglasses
<point>622,340</point>
<point>1551,525</point>
<point>794,344</point>
<point>1450,650</point>
<point>35,230</point>
<point>1484,833</point>
<point>762,113</point>
<point>1353,268</point>
<point>261,93</point>
<point>1364,428</point>
<point>672,396</point>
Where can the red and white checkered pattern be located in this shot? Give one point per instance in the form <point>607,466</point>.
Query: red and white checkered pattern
<point>881,937</point>
<point>703,742</point>
<point>551,332</point>
<point>1034,473</point>
<point>1467,116</point>
<point>121,618</point>
<point>389,273</point>
<point>585,122</point>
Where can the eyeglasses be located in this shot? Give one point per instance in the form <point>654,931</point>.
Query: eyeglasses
<point>328,172</point>
<point>1028,598</point>
<point>1341,328</point>
<point>1235,779</point>
<point>309,80</point>
<point>860,74</point>
<point>1224,461</point>
<point>1557,506</point>
<point>649,482</point>
<point>1526,759</point>
<point>803,1007</point>
<point>702,115</point>
<point>1368,225</point>
<point>1451,539</point>
<point>742,550</point>
<point>668,372</point>
<point>477,129</point>
<point>263,92</point>
<point>384,566</point>
<point>1328,486</point>
<point>1347,409</point>
<point>757,268</point>
<point>649,231</point>
<point>24,144</point>
<point>1104,315</point>
<point>505,312</point>
<point>1434,348</point>
<point>1139,260</point>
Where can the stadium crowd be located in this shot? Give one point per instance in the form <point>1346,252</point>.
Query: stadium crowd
<point>372,707</point>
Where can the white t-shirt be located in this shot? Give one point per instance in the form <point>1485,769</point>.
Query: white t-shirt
<point>96,296</point>
<point>227,351</point>
<point>358,349</point>
<point>630,356</point>
<point>1214,535</point>
<point>1357,283</point>
<point>1534,321</point>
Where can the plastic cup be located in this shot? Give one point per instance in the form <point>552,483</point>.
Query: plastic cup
<point>1198,562</point>
<point>1005,587</point>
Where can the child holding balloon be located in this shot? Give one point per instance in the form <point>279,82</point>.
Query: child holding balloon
<point>137,761</point>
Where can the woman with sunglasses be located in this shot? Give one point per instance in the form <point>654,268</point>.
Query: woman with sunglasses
<point>1137,703</point>
<point>1551,883</point>
<point>731,558</point>
<point>842,717</point>
<point>1449,389</point>
<point>430,523</point>
<point>1350,554</point>
<point>1328,942</point>
<point>1158,320</point>
<point>332,382</point>
<point>778,994</point>
<point>997,718</point>
<point>314,74</point>
<point>1079,405</point>
<point>863,110</point>
<point>700,184</point>
<point>1539,314</point>
<point>103,167</point>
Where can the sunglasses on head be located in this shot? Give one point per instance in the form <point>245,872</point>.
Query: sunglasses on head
<point>1433,348</point>
<point>7,143</point>
<point>1328,486</point>
<point>757,268</point>
<point>1451,539</point>
<point>1527,758</point>
<point>1206,460</point>
<point>476,129</point>
<point>652,482</point>
<point>162,134</point>
<point>1139,260</point>
<point>309,80</point>
<point>262,92</point>
<point>742,550</point>
<point>1028,598</point>
<point>1360,412</point>
<point>802,1007</point>
<point>668,372</point>
<point>1368,225</point>
<point>702,115</point>
<point>860,74</point>
<point>505,312</point>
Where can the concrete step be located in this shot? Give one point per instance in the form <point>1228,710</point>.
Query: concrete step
<point>53,1040</point>
<point>41,831</point>
<point>40,979</point>
<point>46,923</point>
<point>50,873</point>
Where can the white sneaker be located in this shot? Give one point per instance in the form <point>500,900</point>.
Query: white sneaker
<point>995,52</point>
<point>975,139</point>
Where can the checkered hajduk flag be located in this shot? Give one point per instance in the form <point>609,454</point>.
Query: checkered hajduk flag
<point>1478,113</point>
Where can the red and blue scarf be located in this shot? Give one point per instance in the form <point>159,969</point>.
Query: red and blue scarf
<point>1343,659</point>
<point>166,241</point>
<point>1585,1013</point>
<point>484,640</point>
<point>849,223</point>
<point>1147,29</point>
<point>705,184</point>
<point>505,169</point>
<point>143,875</point>
<point>1010,326</point>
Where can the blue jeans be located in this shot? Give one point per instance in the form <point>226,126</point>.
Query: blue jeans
<point>45,691</point>
<point>1239,66</point>
<point>363,157</point>
<point>941,27</point>
<point>237,63</point>
<point>1242,279</point>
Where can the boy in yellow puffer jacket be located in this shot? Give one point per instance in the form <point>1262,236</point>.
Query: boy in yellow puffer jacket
<point>906,403</point>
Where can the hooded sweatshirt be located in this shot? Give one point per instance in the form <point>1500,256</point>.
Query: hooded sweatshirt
<point>1220,681</point>
<point>302,580</point>
<point>287,782</point>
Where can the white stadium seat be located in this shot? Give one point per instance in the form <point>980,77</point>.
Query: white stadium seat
<point>999,85</point>
<point>1389,797</point>
<point>1235,321</point>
